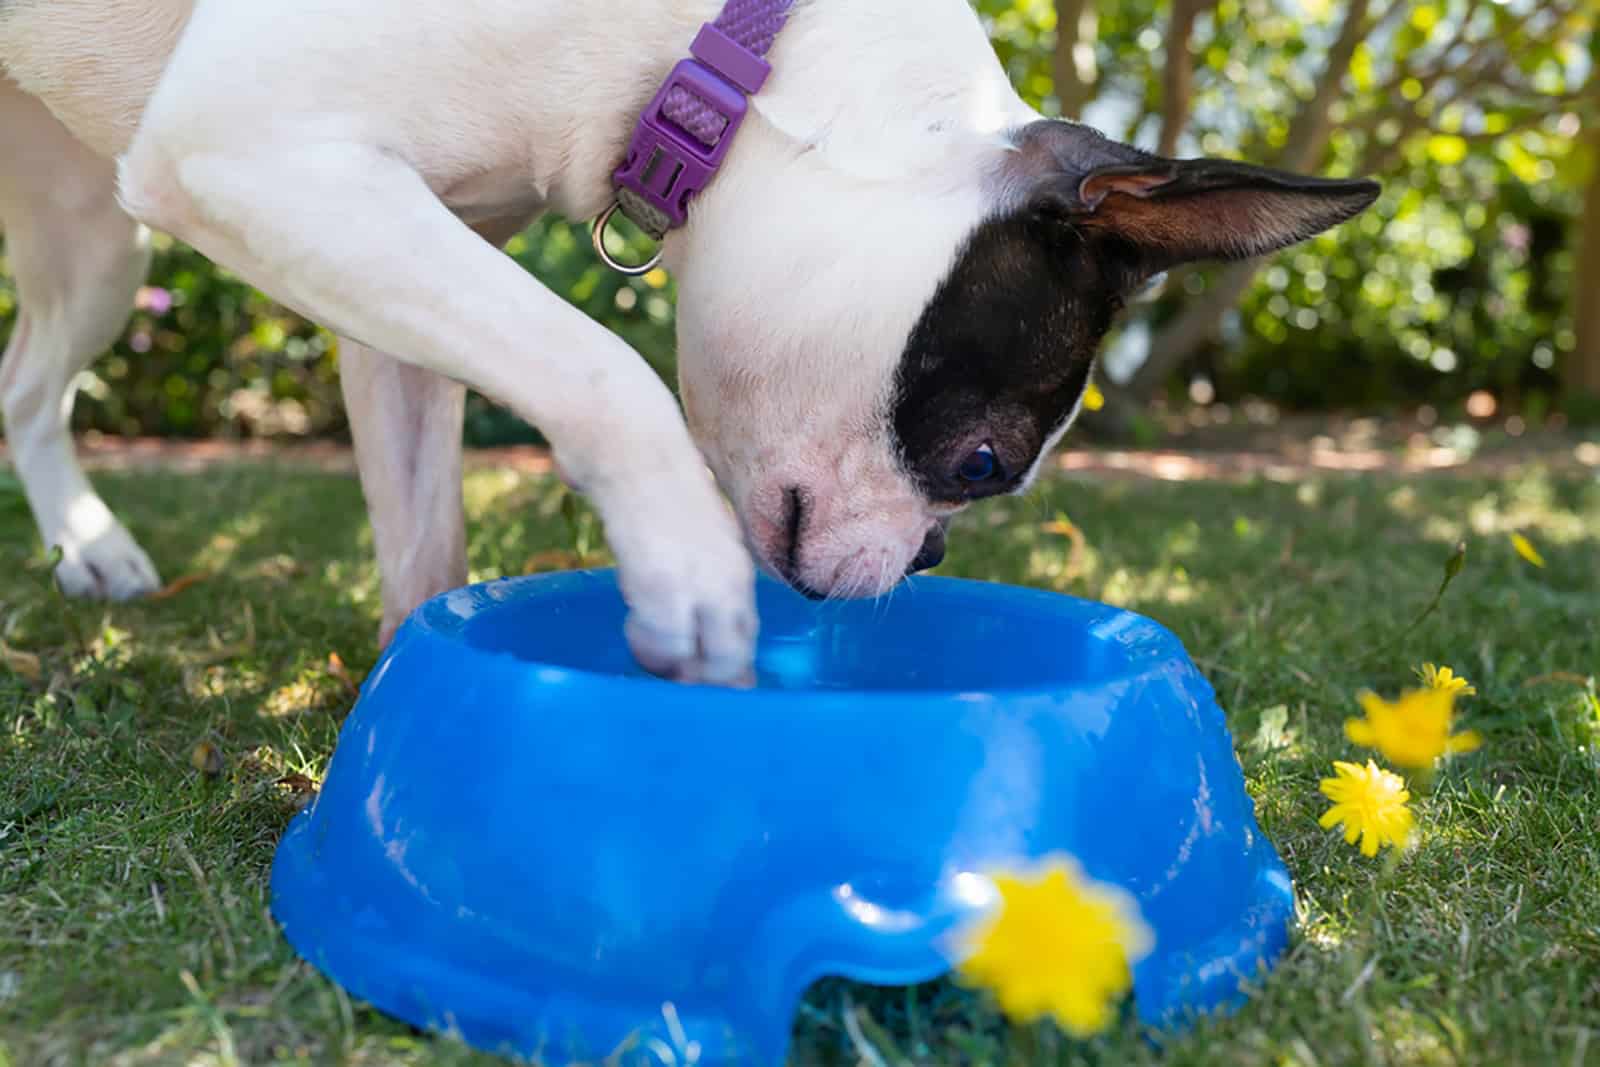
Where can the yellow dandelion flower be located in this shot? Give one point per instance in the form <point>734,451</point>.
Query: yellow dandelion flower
<point>1056,944</point>
<point>1526,550</point>
<point>1371,803</point>
<point>1412,732</point>
<point>1446,679</point>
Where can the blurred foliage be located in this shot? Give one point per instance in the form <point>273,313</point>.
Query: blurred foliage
<point>205,354</point>
<point>1479,116</point>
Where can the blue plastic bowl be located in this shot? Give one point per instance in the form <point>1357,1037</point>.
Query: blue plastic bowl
<point>523,840</point>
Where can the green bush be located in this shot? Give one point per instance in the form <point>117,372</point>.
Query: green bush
<point>206,355</point>
<point>1421,301</point>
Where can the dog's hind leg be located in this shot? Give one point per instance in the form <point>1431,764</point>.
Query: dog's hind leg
<point>77,260</point>
<point>406,424</point>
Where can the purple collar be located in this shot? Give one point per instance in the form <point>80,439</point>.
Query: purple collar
<point>685,133</point>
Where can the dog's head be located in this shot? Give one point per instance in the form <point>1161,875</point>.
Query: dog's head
<point>857,377</point>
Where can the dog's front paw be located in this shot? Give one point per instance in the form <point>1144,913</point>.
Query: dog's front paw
<point>690,589</point>
<point>694,621</point>
<point>108,566</point>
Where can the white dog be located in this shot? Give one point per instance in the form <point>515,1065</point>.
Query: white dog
<point>891,295</point>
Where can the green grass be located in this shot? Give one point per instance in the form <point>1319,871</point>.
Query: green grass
<point>133,921</point>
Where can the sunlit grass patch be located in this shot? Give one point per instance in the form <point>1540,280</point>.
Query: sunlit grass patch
<point>1292,597</point>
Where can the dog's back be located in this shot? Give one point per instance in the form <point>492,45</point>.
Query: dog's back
<point>94,62</point>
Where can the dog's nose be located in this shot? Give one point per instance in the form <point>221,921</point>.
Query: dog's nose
<point>932,553</point>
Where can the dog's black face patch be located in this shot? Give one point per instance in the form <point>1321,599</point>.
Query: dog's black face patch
<point>1002,354</point>
<point>1003,351</point>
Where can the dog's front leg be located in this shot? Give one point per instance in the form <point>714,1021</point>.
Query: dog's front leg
<point>353,237</point>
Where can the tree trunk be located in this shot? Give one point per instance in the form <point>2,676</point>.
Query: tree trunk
<point>1177,83</point>
<point>1074,67</point>
<point>1178,342</point>
<point>1581,375</point>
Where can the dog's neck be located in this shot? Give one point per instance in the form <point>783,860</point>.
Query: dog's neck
<point>894,90</point>
<point>890,91</point>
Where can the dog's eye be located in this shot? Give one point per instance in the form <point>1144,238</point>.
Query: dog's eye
<point>981,466</point>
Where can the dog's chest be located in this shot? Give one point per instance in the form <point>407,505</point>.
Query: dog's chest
<point>497,194</point>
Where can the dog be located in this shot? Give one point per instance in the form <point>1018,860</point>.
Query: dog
<point>890,297</point>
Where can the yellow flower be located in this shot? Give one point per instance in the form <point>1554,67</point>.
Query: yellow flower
<point>1526,550</point>
<point>1371,803</point>
<point>1056,944</point>
<point>1093,398</point>
<point>1446,679</point>
<point>1414,730</point>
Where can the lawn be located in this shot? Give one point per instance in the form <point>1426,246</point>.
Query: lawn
<point>149,768</point>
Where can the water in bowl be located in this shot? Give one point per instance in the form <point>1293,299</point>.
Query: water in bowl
<point>970,645</point>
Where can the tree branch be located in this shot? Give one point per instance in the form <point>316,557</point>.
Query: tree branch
<point>1458,38</point>
<point>1177,92</point>
<point>1308,136</point>
<point>1073,63</point>
<point>1378,158</point>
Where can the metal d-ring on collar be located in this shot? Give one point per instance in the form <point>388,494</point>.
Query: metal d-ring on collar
<point>685,133</point>
<point>632,270</point>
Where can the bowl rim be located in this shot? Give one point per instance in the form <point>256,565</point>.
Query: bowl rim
<point>441,618</point>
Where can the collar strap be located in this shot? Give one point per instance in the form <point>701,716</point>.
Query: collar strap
<point>685,133</point>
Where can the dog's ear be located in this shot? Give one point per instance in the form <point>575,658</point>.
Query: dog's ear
<point>1153,213</point>
<point>1169,212</point>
